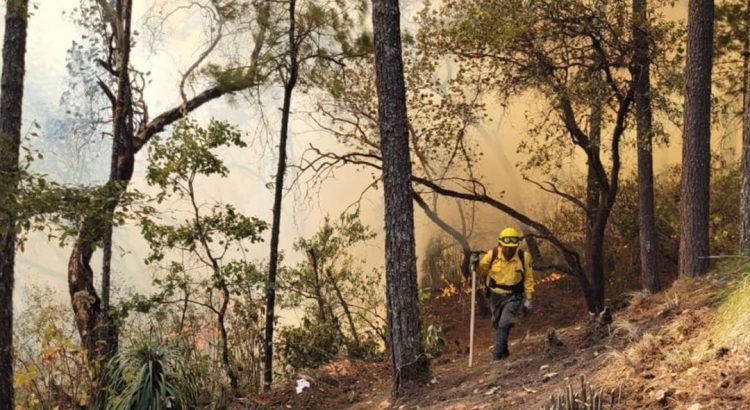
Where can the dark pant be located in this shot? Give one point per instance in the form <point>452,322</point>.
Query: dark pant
<point>504,311</point>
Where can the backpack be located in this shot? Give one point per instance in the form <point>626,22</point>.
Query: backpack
<point>518,288</point>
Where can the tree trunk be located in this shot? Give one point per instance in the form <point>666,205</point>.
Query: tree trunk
<point>344,305</point>
<point>289,85</point>
<point>318,291</point>
<point>408,362</point>
<point>696,141</point>
<point>11,99</point>
<point>533,245</point>
<point>221,315</point>
<point>745,206</point>
<point>595,209</point>
<point>595,261</point>
<point>593,187</point>
<point>97,329</point>
<point>643,116</point>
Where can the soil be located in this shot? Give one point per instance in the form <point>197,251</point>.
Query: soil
<point>656,354</point>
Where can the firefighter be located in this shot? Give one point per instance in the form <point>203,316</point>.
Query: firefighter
<point>509,281</point>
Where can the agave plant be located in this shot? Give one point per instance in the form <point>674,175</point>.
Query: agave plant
<point>148,376</point>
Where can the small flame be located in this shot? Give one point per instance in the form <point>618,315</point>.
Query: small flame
<point>551,278</point>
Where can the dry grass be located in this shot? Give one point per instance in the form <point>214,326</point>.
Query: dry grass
<point>624,328</point>
<point>687,345</point>
<point>637,298</point>
<point>732,320</point>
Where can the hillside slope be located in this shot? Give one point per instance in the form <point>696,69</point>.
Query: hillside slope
<point>684,348</point>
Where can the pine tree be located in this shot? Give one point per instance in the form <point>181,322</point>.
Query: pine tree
<point>644,129</point>
<point>11,99</point>
<point>408,362</point>
<point>696,140</point>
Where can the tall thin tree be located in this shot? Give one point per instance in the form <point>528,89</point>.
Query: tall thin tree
<point>641,72</point>
<point>696,141</point>
<point>11,99</point>
<point>745,193</point>
<point>290,82</point>
<point>122,130</point>
<point>407,361</point>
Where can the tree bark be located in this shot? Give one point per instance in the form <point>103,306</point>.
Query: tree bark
<point>745,192</point>
<point>696,141</point>
<point>408,362</point>
<point>595,260</point>
<point>596,209</point>
<point>273,262</point>
<point>593,187</point>
<point>11,101</point>
<point>234,380</point>
<point>641,73</point>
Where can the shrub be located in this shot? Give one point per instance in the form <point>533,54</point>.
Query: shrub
<point>309,345</point>
<point>146,375</point>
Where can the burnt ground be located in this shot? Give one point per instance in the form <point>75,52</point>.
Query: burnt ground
<point>656,354</point>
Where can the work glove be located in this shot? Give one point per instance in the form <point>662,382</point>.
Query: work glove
<point>527,305</point>
<point>474,258</point>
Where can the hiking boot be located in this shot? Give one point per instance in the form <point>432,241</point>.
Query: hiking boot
<point>500,356</point>
<point>500,350</point>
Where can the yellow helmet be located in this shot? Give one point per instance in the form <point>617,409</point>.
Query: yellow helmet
<point>509,237</point>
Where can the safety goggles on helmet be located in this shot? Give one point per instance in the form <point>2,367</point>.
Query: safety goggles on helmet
<point>509,240</point>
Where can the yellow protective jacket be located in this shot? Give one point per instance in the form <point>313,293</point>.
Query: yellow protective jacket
<point>508,273</point>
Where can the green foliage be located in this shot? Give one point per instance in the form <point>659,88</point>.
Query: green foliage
<point>730,44</point>
<point>341,301</point>
<point>190,151</point>
<point>202,270</point>
<point>309,345</point>
<point>622,252</point>
<point>572,52</point>
<point>148,375</point>
<point>174,166</point>
<point>730,57</point>
<point>41,204</point>
<point>59,210</point>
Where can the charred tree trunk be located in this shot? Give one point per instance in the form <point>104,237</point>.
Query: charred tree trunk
<point>407,361</point>
<point>11,101</point>
<point>696,141</point>
<point>273,262</point>
<point>641,72</point>
<point>745,193</point>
